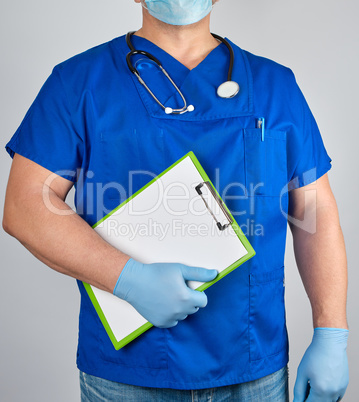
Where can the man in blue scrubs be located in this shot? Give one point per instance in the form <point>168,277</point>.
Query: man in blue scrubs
<point>94,125</point>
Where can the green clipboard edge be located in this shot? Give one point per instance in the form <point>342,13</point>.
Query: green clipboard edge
<point>250,253</point>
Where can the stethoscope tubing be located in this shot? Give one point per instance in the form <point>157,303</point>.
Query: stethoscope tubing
<point>153,58</point>
<point>231,54</point>
<point>133,69</point>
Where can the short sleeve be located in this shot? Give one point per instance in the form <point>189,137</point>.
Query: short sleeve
<point>307,159</point>
<point>47,135</point>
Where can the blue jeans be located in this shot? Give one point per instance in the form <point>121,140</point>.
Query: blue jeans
<point>271,388</point>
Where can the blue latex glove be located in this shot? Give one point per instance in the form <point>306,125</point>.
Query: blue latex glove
<point>159,291</point>
<point>325,366</point>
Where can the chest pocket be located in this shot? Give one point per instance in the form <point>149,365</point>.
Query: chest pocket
<point>265,162</point>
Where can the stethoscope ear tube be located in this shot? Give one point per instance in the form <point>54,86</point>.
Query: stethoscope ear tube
<point>134,52</point>
<point>231,53</point>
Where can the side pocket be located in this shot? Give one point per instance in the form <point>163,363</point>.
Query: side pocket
<point>267,325</point>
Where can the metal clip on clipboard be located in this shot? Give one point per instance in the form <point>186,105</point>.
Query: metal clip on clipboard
<point>219,202</point>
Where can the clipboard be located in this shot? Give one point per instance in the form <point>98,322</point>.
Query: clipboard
<point>176,217</point>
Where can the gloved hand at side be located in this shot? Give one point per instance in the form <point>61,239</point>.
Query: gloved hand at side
<point>159,292</point>
<point>325,366</point>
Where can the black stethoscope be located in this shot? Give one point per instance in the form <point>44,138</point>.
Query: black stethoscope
<point>227,90</point>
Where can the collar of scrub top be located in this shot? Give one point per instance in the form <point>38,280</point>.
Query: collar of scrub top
<point>199,85</point>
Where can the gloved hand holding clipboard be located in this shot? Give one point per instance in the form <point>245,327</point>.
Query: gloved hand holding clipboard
<point>198,230</point>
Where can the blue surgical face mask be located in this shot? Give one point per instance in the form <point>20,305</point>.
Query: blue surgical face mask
<point>179,12</point>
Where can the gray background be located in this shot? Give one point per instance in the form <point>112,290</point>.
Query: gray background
<point>317,40</point>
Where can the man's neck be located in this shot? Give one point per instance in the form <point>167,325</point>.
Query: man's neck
<point>189,44</point>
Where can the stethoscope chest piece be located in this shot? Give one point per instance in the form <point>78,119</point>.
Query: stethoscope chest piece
<point>228,89</point>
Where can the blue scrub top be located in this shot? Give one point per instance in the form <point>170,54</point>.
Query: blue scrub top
<point>96,125</point>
